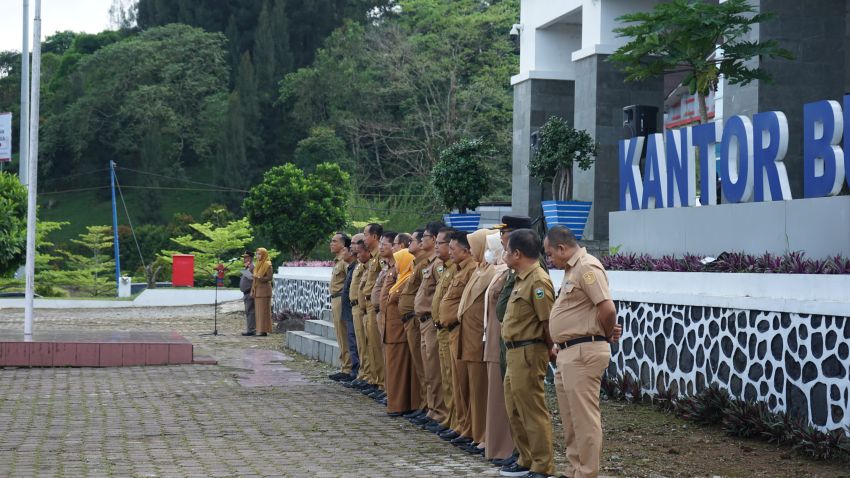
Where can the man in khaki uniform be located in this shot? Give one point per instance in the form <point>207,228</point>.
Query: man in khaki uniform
<point>357,249</point>
<point>459,253</point>
<point>372,237</point>
<point>411,324</point>
<point>444,273</point>
<point>582,320</point>
<point>526,335</point>
<point>338,246</point>
<point>437,410</point>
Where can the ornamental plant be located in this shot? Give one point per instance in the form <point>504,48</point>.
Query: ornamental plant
<point>559,146</point>
<point>460,178</point>
<point>791,263</point>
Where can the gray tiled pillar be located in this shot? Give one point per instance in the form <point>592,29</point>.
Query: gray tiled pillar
<point>534,102</point>
<point>600,95</point>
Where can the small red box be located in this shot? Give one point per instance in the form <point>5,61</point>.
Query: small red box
<point>183,270</point>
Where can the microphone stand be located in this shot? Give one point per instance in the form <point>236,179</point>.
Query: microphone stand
<point>215,305</point>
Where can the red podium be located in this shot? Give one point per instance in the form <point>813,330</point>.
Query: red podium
<point>183,270</point>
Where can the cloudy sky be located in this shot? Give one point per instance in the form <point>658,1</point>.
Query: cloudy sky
<point>56,15</point>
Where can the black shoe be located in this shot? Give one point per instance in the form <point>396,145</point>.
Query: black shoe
<point>473,449</point>
<point>500,462</point>
<point>434,428</point>
<point>346,378</point>
<point>394,414</point>
<point>376,394</point>
<point>412,414</point>
<point>461,441</point>
<point>360,384</point>
<point>421,421</point>
<point>383,401</point>
<point>248,334</point>
<point>368,389</point>
<point>449,435</point>
<point>514,470</point>
<point>336,376</point>
<point>262,335</point>
<point>534,474</point>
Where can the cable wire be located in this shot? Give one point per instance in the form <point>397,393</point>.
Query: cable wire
<point>130,222</point>
<point>222,188</point>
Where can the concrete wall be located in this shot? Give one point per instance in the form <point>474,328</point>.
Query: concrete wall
<point>819,227</point>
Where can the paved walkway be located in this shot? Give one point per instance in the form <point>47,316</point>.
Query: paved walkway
<point>258,413</point>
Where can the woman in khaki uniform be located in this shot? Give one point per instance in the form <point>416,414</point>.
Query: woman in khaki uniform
<point>471,354</point>
<point>261,291</point>
<point>500,445</point>
<point>401,381</point>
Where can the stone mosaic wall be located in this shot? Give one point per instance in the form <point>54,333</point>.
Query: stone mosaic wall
<point>305,296</point>
<point>796,363</point>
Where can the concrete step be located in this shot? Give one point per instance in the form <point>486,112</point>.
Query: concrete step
<point>327,314</point>
<point>322,328</point>
<point>313,346</point>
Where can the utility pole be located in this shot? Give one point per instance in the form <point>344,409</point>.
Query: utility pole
<point>23,150</point>
<point>32,166</point>
<point>115,227</point>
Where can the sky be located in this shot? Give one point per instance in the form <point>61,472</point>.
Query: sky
<point>89,16</point>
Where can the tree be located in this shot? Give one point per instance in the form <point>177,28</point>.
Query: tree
<point>294,210</point>
<point>93,271</point>
<point>47,258</point>
<point>683,35</point>
<point>460,178</point>
<point>402,88</point>
<point>213,245</point>
<point>559,146</point>
<point>13,223</point>
<point>322,146</point>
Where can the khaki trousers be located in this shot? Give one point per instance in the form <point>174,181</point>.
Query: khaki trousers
<point>476,375</point>
<point>577,384</point>
<point>460,388</point>
<point>446,376</point>
<point>525,401</point>
<point>433,385</point>
<point>341,335</point>
<point>360,333</point>
<point>414,345</point>
<point>376,349</point>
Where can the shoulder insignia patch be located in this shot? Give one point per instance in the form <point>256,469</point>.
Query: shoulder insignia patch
<point>539,293</point>
<point>589,278</point>
<point>426,273</point>
<point>440,269</point>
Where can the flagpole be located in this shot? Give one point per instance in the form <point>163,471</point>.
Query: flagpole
<point>23,172</point>
<point>33,170</point>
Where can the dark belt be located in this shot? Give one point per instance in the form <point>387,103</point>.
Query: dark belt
<point>406,317</point>
<point>581,340</point>
<point>522,343</point>
<point>447,327</point>
<point>425,318</point>
<point>334,296</point>
<point>354,303</point>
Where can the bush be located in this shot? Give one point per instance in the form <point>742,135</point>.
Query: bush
<point>460,178</point>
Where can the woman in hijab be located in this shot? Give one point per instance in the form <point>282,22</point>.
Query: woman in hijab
<point>500,445</point>
<point>261,291</point>
<point>401,382</point>
<point>471,357</point>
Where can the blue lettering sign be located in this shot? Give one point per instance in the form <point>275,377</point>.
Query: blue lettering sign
<point>681,183</point>
<point>654,174</point>
<point>770,143</point>
<point>736,178</point>
<point>631,185</point>
<point>823,160</point>
<point>705,136</point>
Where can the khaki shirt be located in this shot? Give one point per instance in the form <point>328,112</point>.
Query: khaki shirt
<point>451,298</point>
<point>406,301</point>
<point>529,306</point>
<point>444,272</point>
<point>585,285</point>
<point>338,275</point>
<point>427,287</point>
<point>354,291</point>
<point>370,275</point>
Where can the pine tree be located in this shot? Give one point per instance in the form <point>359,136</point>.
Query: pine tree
<point>264,55</point>
<point>232,163</point>
<point>280,30</point>
<point>246,87</point>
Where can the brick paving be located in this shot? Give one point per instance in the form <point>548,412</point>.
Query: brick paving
<point>260,412</point>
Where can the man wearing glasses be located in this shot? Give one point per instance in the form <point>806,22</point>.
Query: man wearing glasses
<point>437,410</point>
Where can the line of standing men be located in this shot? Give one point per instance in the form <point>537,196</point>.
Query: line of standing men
<point>454,331</point>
